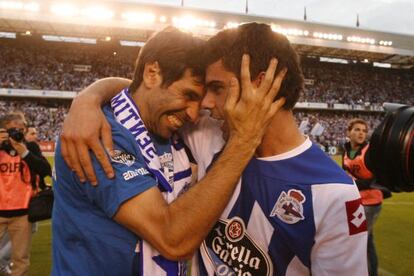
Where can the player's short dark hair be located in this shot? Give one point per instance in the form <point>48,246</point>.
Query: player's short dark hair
<point>175,51</point>
<point>262,44</point>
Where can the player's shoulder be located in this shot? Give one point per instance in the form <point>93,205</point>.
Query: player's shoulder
<point>324,169</point>
<point>305,165</point>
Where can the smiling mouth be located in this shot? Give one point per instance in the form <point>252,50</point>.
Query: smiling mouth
<point>175,121</point>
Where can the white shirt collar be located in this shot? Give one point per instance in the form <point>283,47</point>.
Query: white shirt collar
<point>289,154</point>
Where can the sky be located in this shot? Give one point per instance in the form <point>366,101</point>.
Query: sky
<point>395,16</point>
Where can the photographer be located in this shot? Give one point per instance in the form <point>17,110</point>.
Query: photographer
<point>21,166</point>
<point>353,161</point>
<point>30,137</point>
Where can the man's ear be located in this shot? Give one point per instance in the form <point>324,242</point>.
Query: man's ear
<point>152,75</point>
<point>258,80</point>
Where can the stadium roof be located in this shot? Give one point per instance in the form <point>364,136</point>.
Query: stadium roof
<point>132,21</point>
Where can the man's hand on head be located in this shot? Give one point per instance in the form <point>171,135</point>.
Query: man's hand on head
<point>249,109</point>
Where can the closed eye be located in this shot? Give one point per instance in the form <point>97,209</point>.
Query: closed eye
<point>192,95</point>
<point>215,86</point>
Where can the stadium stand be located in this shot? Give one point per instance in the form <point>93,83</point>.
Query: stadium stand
<point>72,66</point>
<point>60,66</point>
<point>356,83</point>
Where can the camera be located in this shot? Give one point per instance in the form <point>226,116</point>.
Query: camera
<point>391,151</point>
<point>16,134</point>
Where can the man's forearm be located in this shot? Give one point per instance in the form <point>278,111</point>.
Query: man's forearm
<point>188,226</point>
<point>103,90</point>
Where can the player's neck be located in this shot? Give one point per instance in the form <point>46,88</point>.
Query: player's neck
<point>282,135</point>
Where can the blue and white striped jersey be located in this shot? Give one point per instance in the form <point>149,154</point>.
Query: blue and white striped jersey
<point>296,213</point>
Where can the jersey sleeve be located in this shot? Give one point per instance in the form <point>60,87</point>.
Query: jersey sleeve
<point>131,175</point>
<point>130,180</point>
<point>341,231</point>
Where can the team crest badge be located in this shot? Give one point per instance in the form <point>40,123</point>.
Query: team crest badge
<point>289,206</point>
<point>122,157</point>
<point>167,165</point>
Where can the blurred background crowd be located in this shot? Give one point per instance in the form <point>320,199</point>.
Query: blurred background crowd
<point>66,67</point>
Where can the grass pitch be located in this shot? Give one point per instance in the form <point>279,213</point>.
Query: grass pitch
<point>393,234</point>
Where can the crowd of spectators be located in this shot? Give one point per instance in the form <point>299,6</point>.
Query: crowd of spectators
<point>329,128</point>
<point>61,66</point>
<point>47,117</point>
<point>356,84</point>
<point>325,127</point>
<point>71,67</point>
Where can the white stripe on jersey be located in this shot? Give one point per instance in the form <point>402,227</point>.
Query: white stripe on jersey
<point>331,227</point>
<point>259,226</point>
<point>296,267</point>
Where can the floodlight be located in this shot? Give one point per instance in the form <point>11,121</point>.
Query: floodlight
<point>32,6</point>
<point>188,22</point>
<point>97,13</point>
<point>64,9</point>
<point>163,19</point>
<point>140,17</point>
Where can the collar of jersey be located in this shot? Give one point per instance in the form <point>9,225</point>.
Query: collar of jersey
<point>289,154</point>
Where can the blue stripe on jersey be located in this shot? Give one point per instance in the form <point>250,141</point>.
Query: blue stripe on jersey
<point>311,167</point>
<point>141,259</point>
<point>170,267</point>
<point>178,144</point>
<point>183,174</point>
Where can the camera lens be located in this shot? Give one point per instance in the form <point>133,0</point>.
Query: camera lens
<point>16,134</point>
<point>391,150</point>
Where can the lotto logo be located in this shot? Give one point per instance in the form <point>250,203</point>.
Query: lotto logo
<point>357,222</point>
